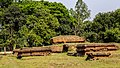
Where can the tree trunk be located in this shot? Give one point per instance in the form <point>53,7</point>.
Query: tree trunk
<point>14,47</point>
<point>5,50</point>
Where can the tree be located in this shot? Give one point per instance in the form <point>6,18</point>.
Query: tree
<point>81,13</point>
<point>112,35</point>
<point>30,23</point>
<point>106,26</point>
<point>40,23</point>
<point>62,14</point>
<point>11,22</point>
<point>5,3</point>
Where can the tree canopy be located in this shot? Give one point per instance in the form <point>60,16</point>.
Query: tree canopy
<point>32,23</point>
<point>105,27</point>
<point>28,23</point>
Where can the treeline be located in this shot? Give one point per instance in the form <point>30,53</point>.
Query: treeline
<point>33,23</point>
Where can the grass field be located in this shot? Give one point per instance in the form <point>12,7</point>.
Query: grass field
<point>59,61</point>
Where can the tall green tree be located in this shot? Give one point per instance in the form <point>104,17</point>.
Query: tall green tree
<point>40,24</point>
<point>82,10</point>
<point>62,14</point>
<point>81,13</point>
<point>11,21</point>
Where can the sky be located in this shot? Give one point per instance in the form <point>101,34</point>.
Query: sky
<point>95,6</point>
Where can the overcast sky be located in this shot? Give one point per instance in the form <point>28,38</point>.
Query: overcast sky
<point>95,6</point>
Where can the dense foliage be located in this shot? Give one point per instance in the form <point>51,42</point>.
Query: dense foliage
<point>105,27</point>
<point>33,23</point>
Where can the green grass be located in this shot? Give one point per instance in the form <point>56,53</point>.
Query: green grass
<point>58,61</point>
